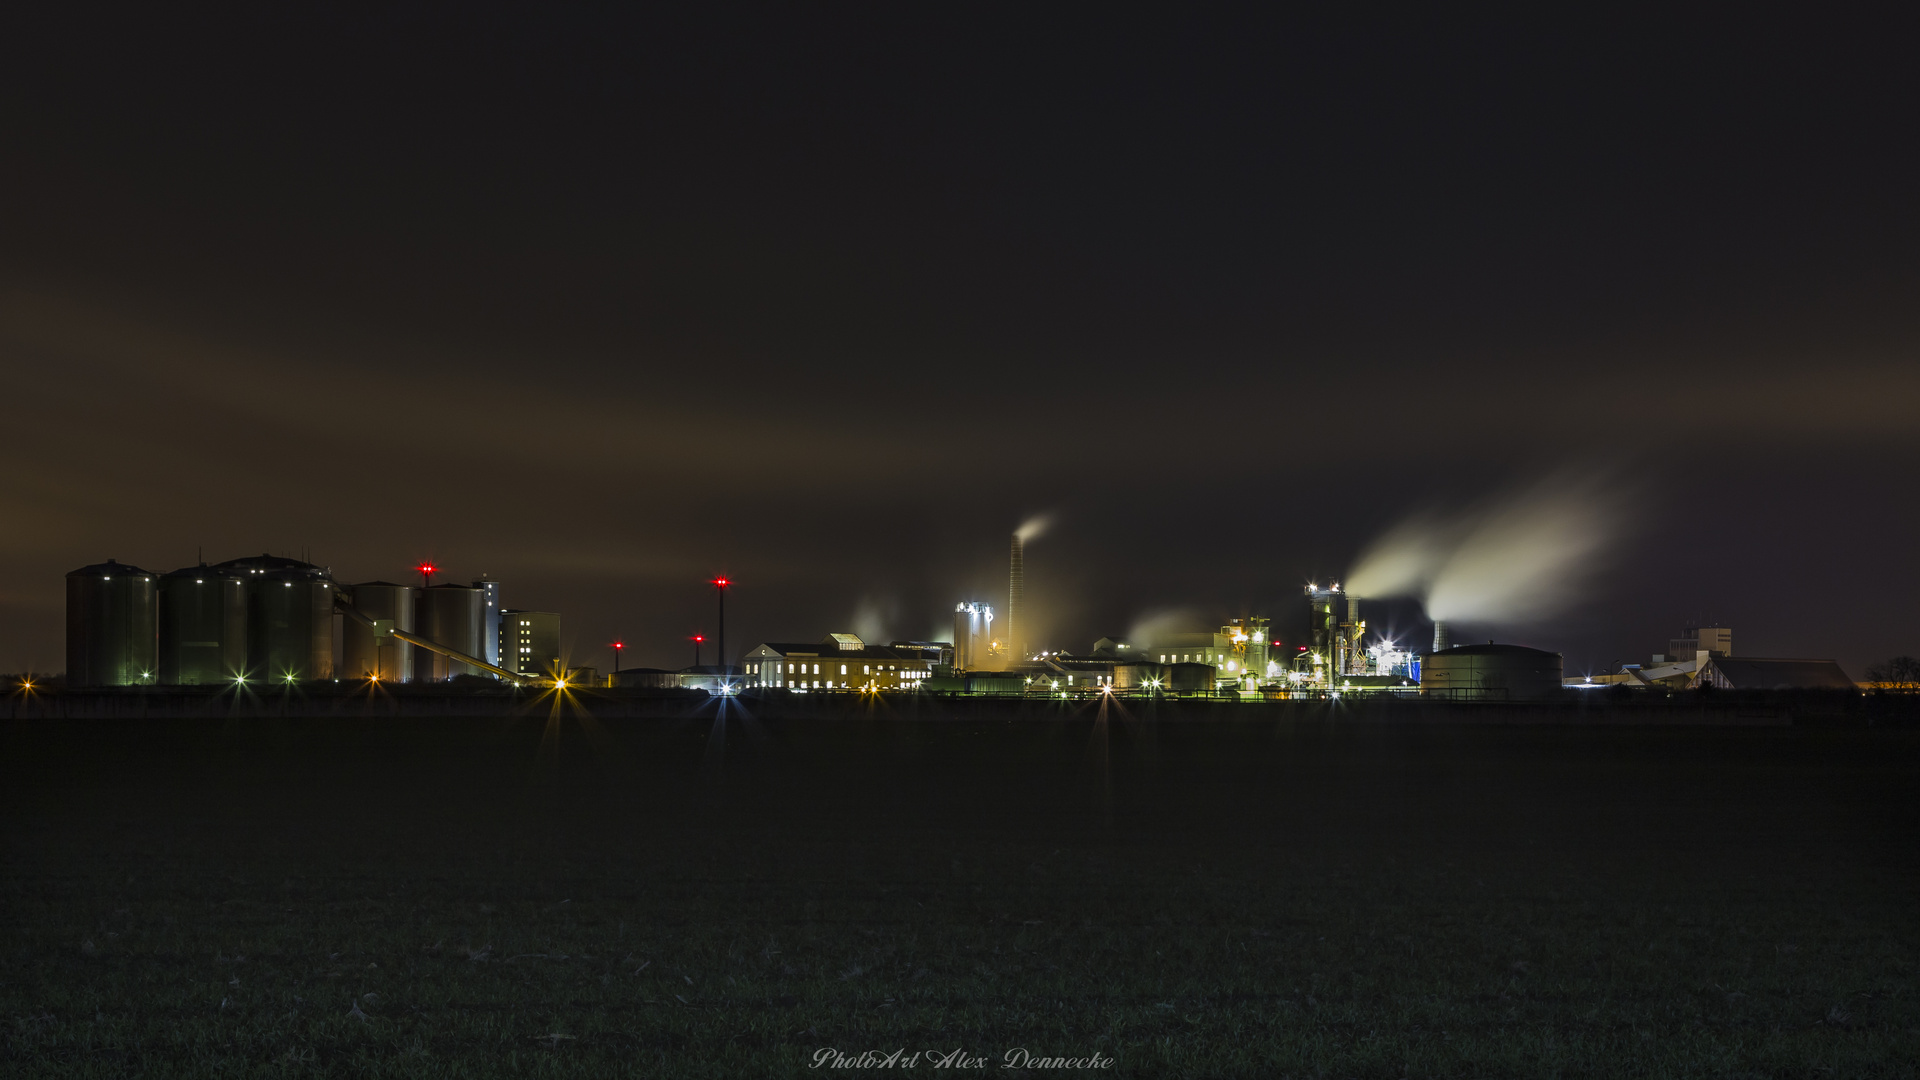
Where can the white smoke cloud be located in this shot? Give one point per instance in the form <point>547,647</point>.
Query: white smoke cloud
<point>1525,555</point>
<point>874,618</point>
<point>1031,528</point>
<point>1405,559</point>
<point>1158,626</point>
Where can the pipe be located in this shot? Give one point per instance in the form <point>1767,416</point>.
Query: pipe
<point>455,654</point>
<point>345,607</point>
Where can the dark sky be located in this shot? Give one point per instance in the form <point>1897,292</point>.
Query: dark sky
<point>830,300</point>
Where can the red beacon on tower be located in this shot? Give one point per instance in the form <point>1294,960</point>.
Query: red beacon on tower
<point>426,574</point>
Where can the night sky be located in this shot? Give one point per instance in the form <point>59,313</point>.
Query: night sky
<point>831,300</point>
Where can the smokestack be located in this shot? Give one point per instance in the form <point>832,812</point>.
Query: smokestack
<point>1016,584</point>
<point>1439,635</point>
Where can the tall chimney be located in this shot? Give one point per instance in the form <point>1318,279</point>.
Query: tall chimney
<point>1439,635</point>
<point>1016,584</point>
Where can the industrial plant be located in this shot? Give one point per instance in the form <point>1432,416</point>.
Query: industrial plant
<point>268,619</point>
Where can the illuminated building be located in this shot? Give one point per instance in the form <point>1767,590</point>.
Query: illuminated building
<point>841,662</point>
<point>973,642</point>
<point>1240,652</point>
<point>489,618</point>
<point>529,641</point>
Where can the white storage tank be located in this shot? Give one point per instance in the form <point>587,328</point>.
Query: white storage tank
<point>1492,672</point>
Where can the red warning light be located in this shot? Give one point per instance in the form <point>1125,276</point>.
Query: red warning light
<point>722,582</point>
<point>699,637</point>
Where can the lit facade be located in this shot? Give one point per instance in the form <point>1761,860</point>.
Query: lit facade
<point>841,662</point>
<point>529,641</point>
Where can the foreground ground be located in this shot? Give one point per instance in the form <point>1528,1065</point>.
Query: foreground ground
<point>435,898</point>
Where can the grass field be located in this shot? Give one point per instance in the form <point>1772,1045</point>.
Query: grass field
<point>1261,899</point>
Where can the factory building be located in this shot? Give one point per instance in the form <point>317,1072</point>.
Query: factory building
<point>1712,640</point>
<point>841,662</point>
<point>1239,652</point>
<point>490,616</point>
<point>1679,668</point>
<point>112,626</point>
<point>1703,656</point>
<point>203,626</point>
<point>528,641</point>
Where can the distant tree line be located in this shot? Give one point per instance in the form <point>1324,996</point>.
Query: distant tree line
<point>1900,675</point>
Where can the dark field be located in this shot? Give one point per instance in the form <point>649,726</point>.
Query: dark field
<point>1259,899</point>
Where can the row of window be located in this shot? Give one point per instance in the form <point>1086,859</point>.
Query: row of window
<point>865,669</point>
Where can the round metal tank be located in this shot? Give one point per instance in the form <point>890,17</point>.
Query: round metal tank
<point>366,655</point>
<point>112,626</point>
<point>449,615</point>
<point>289,618</point>
<point>203,626</point>
<point>1189,677</point>
<point>1492,672</point>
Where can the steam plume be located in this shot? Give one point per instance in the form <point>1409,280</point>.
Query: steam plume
<point>1523,556</point>
<point>1033,527</point>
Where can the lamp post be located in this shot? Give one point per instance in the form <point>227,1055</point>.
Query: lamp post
<point>617,646</point>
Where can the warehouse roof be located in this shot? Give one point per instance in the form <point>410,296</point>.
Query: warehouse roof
<point>831,651</point>
<point>1762,673</point>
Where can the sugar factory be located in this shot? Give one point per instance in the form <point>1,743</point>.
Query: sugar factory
<point>266,619</point>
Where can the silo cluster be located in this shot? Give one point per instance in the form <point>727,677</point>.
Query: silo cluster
<point>268,619</point>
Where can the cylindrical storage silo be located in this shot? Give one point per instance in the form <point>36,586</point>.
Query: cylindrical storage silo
<point>371,655</point>
<point>290,627</point>
<point>203,627</point>
<point>449,615</point>
<point>112,626</point>
<point>289,618</point>
<point>1492,672</point>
